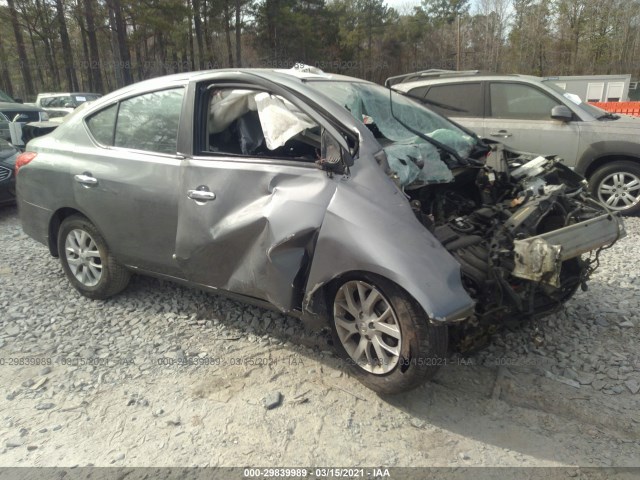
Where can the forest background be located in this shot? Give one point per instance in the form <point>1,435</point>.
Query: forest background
<point>101,45</point>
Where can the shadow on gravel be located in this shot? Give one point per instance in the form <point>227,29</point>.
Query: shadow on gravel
<point>9,211</point>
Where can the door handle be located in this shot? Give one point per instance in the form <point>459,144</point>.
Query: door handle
<point>501,133</point>
<point>201,195</point>
<point>86,179</point>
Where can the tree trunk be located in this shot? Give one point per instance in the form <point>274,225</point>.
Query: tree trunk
<point>36,58</point>
<point>123,45</point>
<point>44,19</point>
<point>161,52</point>
<point>22,52</point>
<point>138,52</point>
<point>272,9</point>
<point>238,35</point>
<point>208,40</point>
<point>85,52</point>
<point>227,31</point>
<point>177,68</point>
<point>115,51</point>
<point>197,24</point>
<point>51,59</point>
<point>67,56</point>
<point>192,55</point>
<point>5,78</point>
<point>94,64</point>
<point>369,42</point>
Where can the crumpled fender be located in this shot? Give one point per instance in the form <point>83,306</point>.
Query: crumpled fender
<point>383,237</point>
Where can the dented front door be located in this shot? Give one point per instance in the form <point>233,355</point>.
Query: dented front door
<point>249,226</point>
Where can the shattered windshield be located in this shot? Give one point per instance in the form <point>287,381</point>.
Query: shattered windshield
<point>394,119</point>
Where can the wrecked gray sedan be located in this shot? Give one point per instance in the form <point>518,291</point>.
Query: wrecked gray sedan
<point>325,197</point>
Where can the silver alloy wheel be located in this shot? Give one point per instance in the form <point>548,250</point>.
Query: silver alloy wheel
<point>83,257</point>
<point>367,327</point>
<point>619,191</point>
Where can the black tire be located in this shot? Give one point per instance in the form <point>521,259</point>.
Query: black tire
<point>423,346</point>
<point>604,186</point>
<point>113,277</point>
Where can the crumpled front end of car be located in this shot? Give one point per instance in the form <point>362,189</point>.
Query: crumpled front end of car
<point>525,231</point>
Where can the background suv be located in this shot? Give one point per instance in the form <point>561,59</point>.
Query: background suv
<point>20,113</point>
<point>535,115</point>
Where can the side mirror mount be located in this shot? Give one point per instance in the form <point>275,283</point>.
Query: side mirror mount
<point>561,113</point>
<point>334,158</point>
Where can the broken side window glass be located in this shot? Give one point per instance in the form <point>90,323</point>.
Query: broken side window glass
<point>257,123</point>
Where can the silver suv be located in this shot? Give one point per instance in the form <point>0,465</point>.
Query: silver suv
<point>535,115</point>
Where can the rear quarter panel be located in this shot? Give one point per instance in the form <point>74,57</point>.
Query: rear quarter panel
<point>43,186</point>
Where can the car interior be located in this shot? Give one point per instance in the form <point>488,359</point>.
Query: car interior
<point>254,123</point>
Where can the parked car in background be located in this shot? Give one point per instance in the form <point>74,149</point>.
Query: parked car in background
<point>5,97</point>
<point>8,155</point>
<point>5,131</point>
<point>61,104</point>
<point>533,114</point>
<point>326,197</point>
<point>20,114</point>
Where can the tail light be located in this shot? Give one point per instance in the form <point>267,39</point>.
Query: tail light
<point>23,159</point>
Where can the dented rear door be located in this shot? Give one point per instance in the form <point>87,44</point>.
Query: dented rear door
<point>252,228</point>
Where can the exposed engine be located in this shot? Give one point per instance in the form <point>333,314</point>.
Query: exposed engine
<point>505,223</point>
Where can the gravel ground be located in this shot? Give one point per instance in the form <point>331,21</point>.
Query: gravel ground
<point>162,375</point>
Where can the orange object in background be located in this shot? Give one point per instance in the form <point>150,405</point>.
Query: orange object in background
<point>628,108</point>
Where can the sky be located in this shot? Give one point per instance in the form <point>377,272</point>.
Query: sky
<point>401,5</point>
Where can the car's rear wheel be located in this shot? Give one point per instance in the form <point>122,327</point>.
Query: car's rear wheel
<point>384,335</point>
<point>87,261</point>
<point>617,185</point>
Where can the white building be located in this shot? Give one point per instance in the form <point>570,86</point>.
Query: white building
<point>596,88</point>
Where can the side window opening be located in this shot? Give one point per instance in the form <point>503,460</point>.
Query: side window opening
<point>256,123</point>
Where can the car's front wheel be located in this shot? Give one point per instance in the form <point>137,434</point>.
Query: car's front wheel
<point>617,185</point>
<point>384,335</point>
<point>87,261</point>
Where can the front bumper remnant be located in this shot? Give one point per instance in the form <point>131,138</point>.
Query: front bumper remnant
<point>540,258</point>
